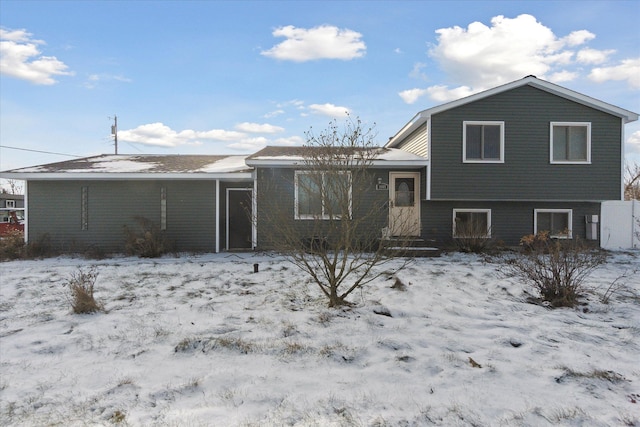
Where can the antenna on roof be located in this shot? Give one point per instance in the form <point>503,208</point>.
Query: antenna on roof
<point>114,131</point>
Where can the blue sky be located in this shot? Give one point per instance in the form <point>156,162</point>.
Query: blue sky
<point>231,77</point>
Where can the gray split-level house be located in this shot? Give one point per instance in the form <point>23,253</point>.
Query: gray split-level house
<point>520,158</point>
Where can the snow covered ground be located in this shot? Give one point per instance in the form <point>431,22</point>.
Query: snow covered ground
<point>201,340</point>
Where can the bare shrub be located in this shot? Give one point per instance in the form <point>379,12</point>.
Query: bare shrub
<point>148,241</point>
<point>81,286</point>
<point>556,270</point>
<point>336,238</point>
<point>473,237</point>
<point>40,247</point>
<point>619,287</point>
<point>12,245</point>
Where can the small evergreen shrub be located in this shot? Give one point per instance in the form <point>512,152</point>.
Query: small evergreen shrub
<point>146,242</point>
<point>81,287</point>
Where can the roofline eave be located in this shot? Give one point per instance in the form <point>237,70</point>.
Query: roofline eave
<point>66,176</point>
<point>373,163</point>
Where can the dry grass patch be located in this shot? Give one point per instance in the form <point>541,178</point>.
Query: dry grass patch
<point>81,291</point>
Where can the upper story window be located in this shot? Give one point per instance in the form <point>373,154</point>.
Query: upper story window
<point>11,204</point>
<point>570,142</point>
<point>322,195</point>
<point>482,142</point>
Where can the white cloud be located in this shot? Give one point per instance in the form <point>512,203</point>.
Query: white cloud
<point>159,134</point>
<point>633,143</point>
<point>479,56</point>
<point>94,79</point>
<point>258,128</point>
<point>438,93</point>
<point>21,58</point>
<point>329,110</point>
<point>292,140</point>
<point>274,113</point>
<point>323,42</point>
<point>576,38</point>
<point>628,70</point>
<point>250,144</point>
<point>563,76</point>
<point>593,56</point>
<point>410,96</point>
<point>417,73</point>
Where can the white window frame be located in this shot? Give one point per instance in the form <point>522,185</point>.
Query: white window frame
<point>570,162</point>
<point>569,212</point>
<point>487,211</point>
<point>464,141</point>
<point>10,204</point>
<point>323,215</point>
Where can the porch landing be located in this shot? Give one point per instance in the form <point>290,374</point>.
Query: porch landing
<point>410,247</point>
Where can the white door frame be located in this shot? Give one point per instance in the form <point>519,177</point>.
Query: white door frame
<point>229,189</point>
<point>412,212</point>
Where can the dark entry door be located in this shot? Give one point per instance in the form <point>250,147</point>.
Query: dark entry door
<point>239,214</point>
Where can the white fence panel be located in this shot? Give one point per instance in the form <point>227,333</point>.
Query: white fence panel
<point>620,225</point>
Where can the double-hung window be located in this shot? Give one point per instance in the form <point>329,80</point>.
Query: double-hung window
<point>557,222</point>
<point>322,195</point>
<point>11,204</point>
<point>482,142</point>
<point>570,142</point>
<point>471,223</point>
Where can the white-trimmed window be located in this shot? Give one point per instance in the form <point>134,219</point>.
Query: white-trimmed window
<point>482,142</point>
<point>11,204</point>
<point>471,223</point>
<point>322,195</point>
<point>570,142</point>
<point>558,222</point>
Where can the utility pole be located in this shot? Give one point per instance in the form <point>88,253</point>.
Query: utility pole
<point>114,131</point>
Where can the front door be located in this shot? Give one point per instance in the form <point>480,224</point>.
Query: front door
<point>239,214</point>
<point>404,204</point>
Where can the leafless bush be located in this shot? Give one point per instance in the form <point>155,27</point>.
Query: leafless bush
<point>619,287</point>
<point>473,237</point>
<point>40,247</point>
<point>12,245</point>
<point>146,242</point>
<point>556,269</point>
<point>335,235</point>
<point>81,286</point>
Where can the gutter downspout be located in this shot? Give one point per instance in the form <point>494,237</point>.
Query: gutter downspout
<point>26,211</point>
<point>217,227</point>
<point>254,211</point>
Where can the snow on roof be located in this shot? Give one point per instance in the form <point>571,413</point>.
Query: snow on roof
<point>139,164</point>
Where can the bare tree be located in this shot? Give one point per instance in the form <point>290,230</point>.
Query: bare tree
<point>327,216</point>
<point>632,181</point>
<point>15,187</point>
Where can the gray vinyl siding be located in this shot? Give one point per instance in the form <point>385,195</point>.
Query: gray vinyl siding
<point>417,142</point>
<point>275,198</point>
<point>526,173</point>
<point>115,204</point>
<point>509,220</point>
